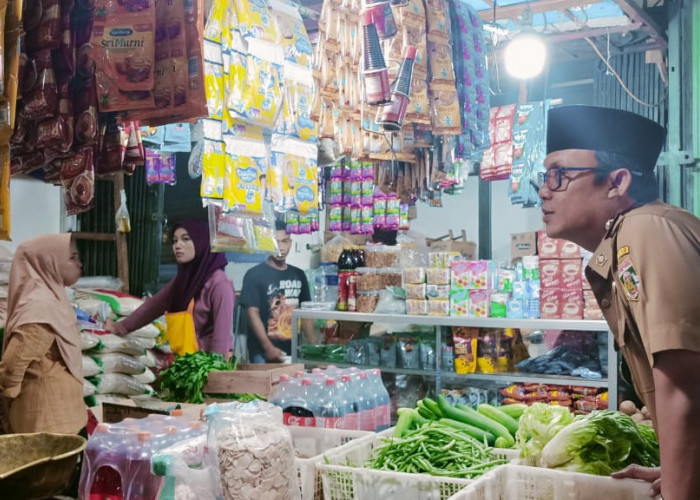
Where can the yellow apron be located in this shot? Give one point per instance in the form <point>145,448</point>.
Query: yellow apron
<point>180,331</point>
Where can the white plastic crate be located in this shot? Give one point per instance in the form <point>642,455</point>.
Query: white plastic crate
<point>345,477</point>
<point>310,443</point>
<point>522,482</point>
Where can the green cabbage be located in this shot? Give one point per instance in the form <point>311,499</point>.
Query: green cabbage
<point>538,424</point>
<point>601,443</point>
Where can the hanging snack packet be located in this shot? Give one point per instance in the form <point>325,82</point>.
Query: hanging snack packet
<point>125,60</point>
<point>255,20</point>
<point>263,93</point>
<point>246,162</point>
<point>293,35</point>
<point>78,178</point>
<point>298,163</point>
<point>295,118</point>
<point>213,161</point>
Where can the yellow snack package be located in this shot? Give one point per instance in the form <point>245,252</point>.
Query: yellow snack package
<point>465,344</point>
<point>213,161</point>
<point>297,163</point>
<point>256,20</point>
<point>214,79</point>
<point>262,96</point>
<point>293,35</point>
<point>295,118</point>
<point>246,162</point>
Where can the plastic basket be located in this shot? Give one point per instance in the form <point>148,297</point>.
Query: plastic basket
<point>522,482</point>
<point>345,477</point>
<point>310,443</point>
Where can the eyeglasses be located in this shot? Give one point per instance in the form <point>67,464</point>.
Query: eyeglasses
<point>554,177</point>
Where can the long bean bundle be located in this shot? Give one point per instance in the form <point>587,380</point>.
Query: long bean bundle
<point>437,450</point>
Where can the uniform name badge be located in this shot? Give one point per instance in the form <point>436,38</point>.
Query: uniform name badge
<point>628,278</point>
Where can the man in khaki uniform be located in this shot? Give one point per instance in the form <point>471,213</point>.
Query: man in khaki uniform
<point>599,191</point>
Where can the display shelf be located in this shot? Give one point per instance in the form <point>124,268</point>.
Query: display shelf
<point>523,324</point>
<point>442,324</point>
<point>508,378</point>
<point>400,371</point>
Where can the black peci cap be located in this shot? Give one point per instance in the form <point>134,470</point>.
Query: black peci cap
<point>605,129</point>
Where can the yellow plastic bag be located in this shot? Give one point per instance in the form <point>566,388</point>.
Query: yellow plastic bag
<point>180,331</point>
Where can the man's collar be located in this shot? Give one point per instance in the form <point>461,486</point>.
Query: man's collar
<point>601,261</point>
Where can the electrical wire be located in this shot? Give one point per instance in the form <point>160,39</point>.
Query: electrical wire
<point>619,78</point>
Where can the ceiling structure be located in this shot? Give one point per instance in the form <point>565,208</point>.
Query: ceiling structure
<point>570,27</point>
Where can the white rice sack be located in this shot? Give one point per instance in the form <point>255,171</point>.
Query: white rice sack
<point>114,343</point>
<point>148,359</point>
<point>118,383</point>
<point>89,388</point>
<point>121,303</point>
<point>148,331</point>
<point>96,308</point>
<point>116,362</point>
<point>90,367</point>
<point>145,342</point>
<point>88,340</point>
<point>119,399</point>
<point>147,377</point>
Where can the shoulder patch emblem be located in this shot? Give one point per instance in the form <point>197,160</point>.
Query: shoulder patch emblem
<point>629,278</point>
<point>622,252</point>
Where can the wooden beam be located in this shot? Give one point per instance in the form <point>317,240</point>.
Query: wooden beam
<point>591,32</point>
<point>636,14</point>
<point>516,10</point>
<point>81,235</point>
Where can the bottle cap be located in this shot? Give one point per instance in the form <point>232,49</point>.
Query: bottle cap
<point>306,381</point>
<point>284,378</point>
<point>330,381</point>
<point>177,412</point>
<point>144,436</point>
<point>102,428</point>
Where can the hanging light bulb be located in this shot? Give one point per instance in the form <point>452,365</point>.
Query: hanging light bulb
<point>526,54</point>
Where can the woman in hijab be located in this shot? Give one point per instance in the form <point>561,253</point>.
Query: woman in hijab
<point>200,291</point>
<point>41,370</point>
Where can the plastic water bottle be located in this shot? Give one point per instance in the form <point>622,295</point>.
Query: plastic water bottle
<point>332,408</point>
<point>141,484</point>
<point>352,415</point>
<point>98,479</point>
<point>367,403</point>
<point>282,392</point>
<point>381,395</point>
<point>299,410</point>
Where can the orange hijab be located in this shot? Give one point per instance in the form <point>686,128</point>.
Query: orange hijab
<point>37,295</point>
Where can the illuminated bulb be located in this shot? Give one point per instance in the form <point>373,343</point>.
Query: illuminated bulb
<point>525,56</point>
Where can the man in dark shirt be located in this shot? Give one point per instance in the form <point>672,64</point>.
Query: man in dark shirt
<point>271,291</point>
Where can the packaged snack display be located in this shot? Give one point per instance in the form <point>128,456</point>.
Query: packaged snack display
<point>465,348</point>
<point>417,307</point>
<point>439,307</point>
<point>438,276</point>
<point>416,291</point>
<point>381,256</point>
<point>414,275</point>
<point>367,301</point>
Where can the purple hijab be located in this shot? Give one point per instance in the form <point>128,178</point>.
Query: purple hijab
<point>191,277</point>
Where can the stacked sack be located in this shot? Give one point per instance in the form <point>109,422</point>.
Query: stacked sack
<point>114,366</point>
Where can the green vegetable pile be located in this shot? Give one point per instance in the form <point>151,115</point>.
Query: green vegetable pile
<point>601,443</point>
<point>538,424</point>
<point>184,380</point>
<point>435,449</point>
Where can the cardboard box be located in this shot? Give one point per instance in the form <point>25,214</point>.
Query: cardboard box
<point>522,244</point>
<point>113,413</point>
<point>571,304</point>
<point>570,270</point>
<point>466,248</point>
<point>555,248</point>
<point>550,273</point>
<point>250,378</point>
<point>547,248</point>
<point>550,303</point>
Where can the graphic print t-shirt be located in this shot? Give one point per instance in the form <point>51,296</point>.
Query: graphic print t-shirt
<point>276,293</point>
